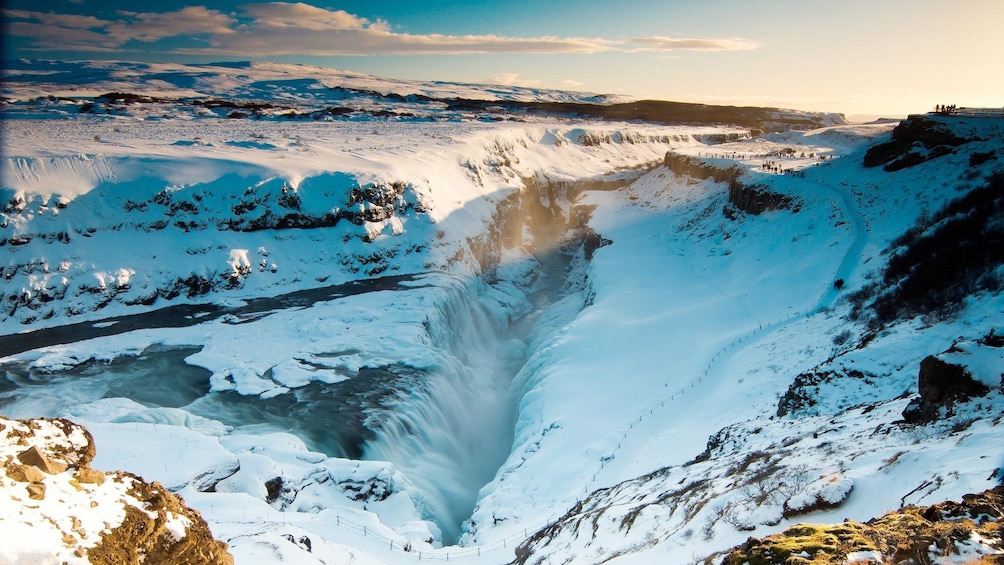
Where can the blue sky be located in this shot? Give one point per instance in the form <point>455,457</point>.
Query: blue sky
<point>886,57</point>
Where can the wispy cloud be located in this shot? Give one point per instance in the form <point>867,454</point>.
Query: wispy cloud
<point>262,41</point>
<point>71,21</point>
<point>65,31</point>
<point>512,79</point>
<point>72,32</point>
<point>304,16</point>
<point>151,26</point>
<point>283,28</point>
<point>657,43</point>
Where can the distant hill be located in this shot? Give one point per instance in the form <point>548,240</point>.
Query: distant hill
<point>268,90</point>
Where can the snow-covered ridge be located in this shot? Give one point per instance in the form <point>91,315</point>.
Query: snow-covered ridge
<point>258,90</point>
<point>258,193</point>
<point>275,82</point>
<point>267,91</point>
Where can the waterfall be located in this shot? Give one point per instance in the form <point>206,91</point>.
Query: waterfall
<point>451,429</point>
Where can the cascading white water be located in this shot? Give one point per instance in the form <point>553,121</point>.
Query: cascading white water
<point>450,432</point>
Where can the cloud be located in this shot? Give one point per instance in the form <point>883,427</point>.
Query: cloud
<point>70,21</point>
<point>69,39</point>
<point>74,32</point>
<point>285,28</point>
<point>151,26</point>
<point>265,41</point>
<point>512,79</point>
<point>657,43</point>
<point>63,31</point>
<point>303,16</point>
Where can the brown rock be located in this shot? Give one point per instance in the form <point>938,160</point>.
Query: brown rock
<point>24,473</point>
<point>36,491</point>
<point>34,456</point>
<point>76,456</point>
<point>56,438</point>
<point>86,475</point>
<point>144,534</point>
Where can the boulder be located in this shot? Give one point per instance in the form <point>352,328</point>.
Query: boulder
<point>36,491</point>
<point>86,475</point>
<point>940,385</point>
<point>34,456</point>
<point>24,473</point>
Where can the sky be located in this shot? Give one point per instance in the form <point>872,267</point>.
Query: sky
<point>858,57</point>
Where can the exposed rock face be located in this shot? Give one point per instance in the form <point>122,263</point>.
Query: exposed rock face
<point>803,393</point>
<point>755,199</point>
<point>56,508</point>
<point>694,167</point>
<point>940,385</point>
<point>915,140</point>
<point>162,530</point>
<point>932,534</point>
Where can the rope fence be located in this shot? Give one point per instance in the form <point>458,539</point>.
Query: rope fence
<point>453,553</point>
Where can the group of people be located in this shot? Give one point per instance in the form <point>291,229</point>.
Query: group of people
<point>965,112</point>
<point>734,155</point>
<point>774,167</point>
<point>767,165</point>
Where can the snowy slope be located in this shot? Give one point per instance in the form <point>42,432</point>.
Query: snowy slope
<point>717,318</point>
<point>362,341</point>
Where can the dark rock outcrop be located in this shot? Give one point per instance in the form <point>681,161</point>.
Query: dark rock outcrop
<point>941,385</point>
<point>694,167</point>
<point>757,199</point>
<point>753,199</point>
<point>803,393</point>
<point>915,140</point>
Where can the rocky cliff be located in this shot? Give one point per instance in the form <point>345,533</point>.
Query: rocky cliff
<point>57,509</point>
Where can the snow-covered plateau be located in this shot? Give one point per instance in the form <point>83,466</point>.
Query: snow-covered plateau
<point>427,325</point>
